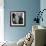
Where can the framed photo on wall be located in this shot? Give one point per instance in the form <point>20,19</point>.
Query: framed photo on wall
<point>17,18</point>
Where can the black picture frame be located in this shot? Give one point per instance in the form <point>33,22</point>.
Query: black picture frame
<point>17,18</point>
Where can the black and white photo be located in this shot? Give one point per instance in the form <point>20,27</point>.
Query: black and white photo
<point>17,18</point>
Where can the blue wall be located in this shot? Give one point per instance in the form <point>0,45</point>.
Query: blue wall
<point>43,6</point>
<point>30,6</point>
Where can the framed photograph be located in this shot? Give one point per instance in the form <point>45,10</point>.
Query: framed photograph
<point>17,18</point>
